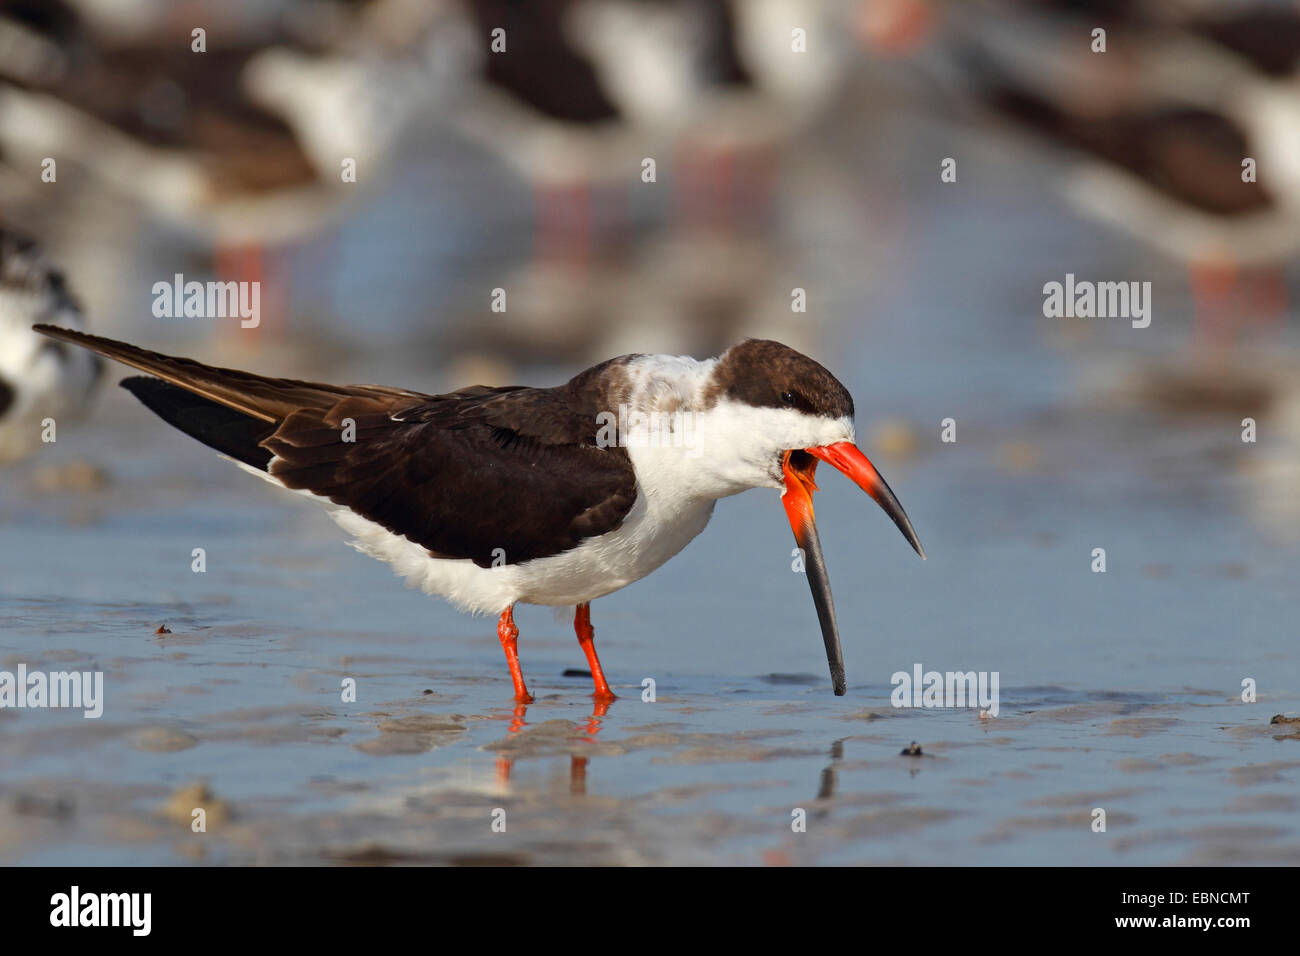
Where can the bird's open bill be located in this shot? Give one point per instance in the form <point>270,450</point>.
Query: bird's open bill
<point>799,468</point>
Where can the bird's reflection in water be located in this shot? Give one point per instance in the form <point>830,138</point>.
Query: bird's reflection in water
<point>829,778</point>
<point>517,722</point>
<point>784,855</point>
<point>577,764</point>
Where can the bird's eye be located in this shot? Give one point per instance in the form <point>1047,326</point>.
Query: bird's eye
<point>787,398</point>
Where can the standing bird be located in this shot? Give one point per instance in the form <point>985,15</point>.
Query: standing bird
<point>40,379</point>
<point>556,496</point>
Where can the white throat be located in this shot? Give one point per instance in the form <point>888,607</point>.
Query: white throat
<point>684,448</point>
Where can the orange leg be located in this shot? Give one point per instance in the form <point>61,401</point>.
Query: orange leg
<point>586,637</point>
<point>509,635</point>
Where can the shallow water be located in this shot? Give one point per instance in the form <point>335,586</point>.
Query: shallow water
<point>1119,691</point>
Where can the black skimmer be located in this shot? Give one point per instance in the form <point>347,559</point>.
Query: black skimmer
<point>675,68</point>
<point>247,146</point>
<point>40,378</point>
<point>490,497</point>
<point>1166,131</point>
<point>154,119</point>
<point>542,109</point>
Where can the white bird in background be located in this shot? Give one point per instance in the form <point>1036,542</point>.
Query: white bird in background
<point>40,378</point>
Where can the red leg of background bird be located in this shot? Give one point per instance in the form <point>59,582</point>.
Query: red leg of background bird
<point>509,635</point>
<point>246,263</point>
<point>757,200</point>
<point>725,171</point>
<point>578,776</point>
<point>586,637</point>
<point>895,27</point>
<point>564,222</point>
<point>611,223</point>
<point>692,189</point>
<point>545,215</point>
<point>584,228</point>
<point>1269,296</point>
<point>1212,284</point>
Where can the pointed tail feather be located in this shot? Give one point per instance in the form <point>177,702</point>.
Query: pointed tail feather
<point>268,399</point>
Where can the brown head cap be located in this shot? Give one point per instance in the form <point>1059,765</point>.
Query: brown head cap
<point>764,373</point>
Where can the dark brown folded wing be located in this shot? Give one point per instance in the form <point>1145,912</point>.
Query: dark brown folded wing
<point>504,475</point>
<point>496,475</point>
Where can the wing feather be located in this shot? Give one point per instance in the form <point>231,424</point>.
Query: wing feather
<point>495,475</point>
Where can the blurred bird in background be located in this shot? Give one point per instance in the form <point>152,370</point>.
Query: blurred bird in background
<point>1172,112</point>
<point>43,384</point>
<point>240,138</point>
